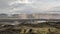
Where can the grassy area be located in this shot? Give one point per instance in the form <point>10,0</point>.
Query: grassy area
<point>42,28</point>
<point>32,30</point>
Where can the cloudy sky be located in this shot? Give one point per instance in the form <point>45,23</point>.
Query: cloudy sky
<point>29,6</point>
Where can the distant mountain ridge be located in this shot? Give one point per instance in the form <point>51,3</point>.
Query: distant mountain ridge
<point>26,16</point>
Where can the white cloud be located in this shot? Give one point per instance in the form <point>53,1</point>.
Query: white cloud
<point>21,2</point>
<point>32,5</point>
<point>37,5</point>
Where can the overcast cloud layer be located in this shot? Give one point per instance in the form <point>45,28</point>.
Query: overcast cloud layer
<point>29,6</point>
